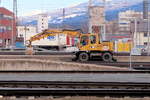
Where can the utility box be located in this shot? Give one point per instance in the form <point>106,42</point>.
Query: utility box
<point>136,52</point>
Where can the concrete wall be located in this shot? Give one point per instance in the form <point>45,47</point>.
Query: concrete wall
<point>41,65</point>
<point>96,17</point>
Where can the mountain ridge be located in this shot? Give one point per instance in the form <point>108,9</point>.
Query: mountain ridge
<point>77,15</point>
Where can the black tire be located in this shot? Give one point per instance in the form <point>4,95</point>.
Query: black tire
<point>83,57</point>
<point>107,57</point>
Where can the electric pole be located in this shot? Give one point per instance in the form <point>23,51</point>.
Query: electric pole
<point>89,16</point>
<point>146,14</point>
<point>104,34</point>
<point>63,22</point>
<point>14,22</point>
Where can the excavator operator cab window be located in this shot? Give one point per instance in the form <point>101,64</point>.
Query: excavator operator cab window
<point>92,39</point>
<point>84,40</point>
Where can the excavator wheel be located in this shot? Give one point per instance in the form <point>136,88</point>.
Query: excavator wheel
<point>83,57</point>
<point>107,57</point>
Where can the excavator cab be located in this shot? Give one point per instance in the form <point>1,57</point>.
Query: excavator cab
<point>84,40</point>
<point>88,42</point>
<point>88,39</point>
<point>91,46</point>
<point>92,42</point>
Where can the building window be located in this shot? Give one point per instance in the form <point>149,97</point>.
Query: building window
<point>2,29</point>
<point>9,28</point>
<point>145,34</point>
<point>21,35</point>
<point>93,39</point>
<point>145,43</point>
<point>8,17</point>
<point>1,16</point>
<point>84,40</point>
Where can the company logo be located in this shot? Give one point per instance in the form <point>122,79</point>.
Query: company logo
<point>51,37</point>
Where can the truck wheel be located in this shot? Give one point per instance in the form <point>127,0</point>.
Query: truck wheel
<point>83,57</point>
<point>107,57</point>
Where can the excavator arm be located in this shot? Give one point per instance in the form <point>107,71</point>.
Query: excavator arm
<point>46,33</point>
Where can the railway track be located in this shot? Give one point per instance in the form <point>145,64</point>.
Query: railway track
<point>123,64</point>
<point>9,52</point>
<point>68,57</point>
<point>66,61</point>
<point>73,92</point>
<point>75,83</point>
<point>135,65</point>
<point>36,53</point>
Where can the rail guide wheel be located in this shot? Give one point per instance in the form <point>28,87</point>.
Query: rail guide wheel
<point>107,57</point>
<point>83,57</point>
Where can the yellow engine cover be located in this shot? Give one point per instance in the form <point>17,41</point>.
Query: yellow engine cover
<point>104,46</point>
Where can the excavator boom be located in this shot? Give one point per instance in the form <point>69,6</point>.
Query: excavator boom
<point>46,33</point>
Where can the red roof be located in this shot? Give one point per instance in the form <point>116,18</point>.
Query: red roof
<point>5,11</point>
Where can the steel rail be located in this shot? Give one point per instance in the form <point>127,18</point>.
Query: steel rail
<point>70,87</point>
<point>73,91</point>
<point>142,65</point>
<point>22,52</point>
<point>64,71</point>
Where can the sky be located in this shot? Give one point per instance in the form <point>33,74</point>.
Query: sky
<point>26,7</point>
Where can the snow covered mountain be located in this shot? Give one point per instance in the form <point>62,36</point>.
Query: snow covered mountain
<point>77,15</point>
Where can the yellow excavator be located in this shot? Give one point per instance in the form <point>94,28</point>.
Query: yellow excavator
<point>90,45</point>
